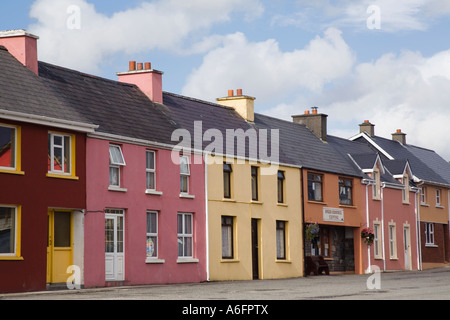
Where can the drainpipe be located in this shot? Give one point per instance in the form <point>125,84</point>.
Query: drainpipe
<point>419,237</point>
<point>367,182</point>
<point>383,185</point>
<point>303,219</point>
<point>205,159</point>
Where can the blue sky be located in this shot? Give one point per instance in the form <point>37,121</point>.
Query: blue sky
<point>378,60</point>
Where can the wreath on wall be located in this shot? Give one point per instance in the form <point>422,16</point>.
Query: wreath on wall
<point>312,231</point>
<point>367,235</point>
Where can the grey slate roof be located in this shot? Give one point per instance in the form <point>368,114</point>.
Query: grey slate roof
<point>298,146</point>
<point>23,91</point>
<point>118,108</point>
<point>423,162</point>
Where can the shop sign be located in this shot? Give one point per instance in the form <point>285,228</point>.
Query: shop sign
<point>333,214</point>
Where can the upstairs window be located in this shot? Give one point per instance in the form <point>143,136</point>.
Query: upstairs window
<point>315,187</point>
<point>405,191</point>
<point>116,161</point>
<point>345,191</point>
<point>423,195</point>
<point>227,170</point>
<point>280,186</point>
<point>60,153</point>
<point>184,174</point>
<point>8,147</point>
<point>438,197</point>
<point>150,170</point>
<point>254,172</point>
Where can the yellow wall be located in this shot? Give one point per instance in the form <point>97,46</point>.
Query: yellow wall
<point>430,212</point>
<point>243,209</point>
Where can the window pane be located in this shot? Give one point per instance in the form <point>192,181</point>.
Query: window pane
<point>184,188</point>
<point>152,246</point>
<point>280,234</point>
<point>7,230</point>
<point>116,156</point>
<point>226,185</point>
<point>227,237</point>
<point>151,180</point>
<point>57,158</point>
<point>7,147</point>
<point>188,224</point>
<point>119,234</point>
<point>180,246</point>
<point>114,173</point>
<point>151,222</point>
<point>150,160</point>
<point>67,154</point>
<point>109,235</point>
<point>180,223</point>
<point>187,247</point>
<point>184,165</point>
<point>62,229</point>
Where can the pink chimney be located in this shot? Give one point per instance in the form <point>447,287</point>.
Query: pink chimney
<point>148,80</point>
<point>22,45</point>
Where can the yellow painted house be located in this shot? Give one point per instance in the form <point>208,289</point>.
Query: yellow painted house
<point>255,221</point>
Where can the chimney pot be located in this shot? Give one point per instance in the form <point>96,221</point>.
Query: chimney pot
<point>140,66</point>
<point>314,110</point>
<point>132,65</point>
<point>239,92</point>
<point>230,93</point>
<point>399,130</point>
<point>148,66</point>
<point>306,111</point>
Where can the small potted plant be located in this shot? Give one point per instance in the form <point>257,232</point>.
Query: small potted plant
<point>367,235</point>
<point>312,231</point>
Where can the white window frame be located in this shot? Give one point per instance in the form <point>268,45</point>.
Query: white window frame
<point>184,160</point>
<point>116,164</point>
<point>63,149</point>
<point>14,167</point>
<point>429,234</point>
<point>405,191</point>
<point>438,197</point>
<point>184,236</point>
<point>150,170</point>
<point>392,240</point>
<point>16,244</point>
<point>423,195</point>
<point>376,187</point>
<point>153,259</point>
<point>377,243</point>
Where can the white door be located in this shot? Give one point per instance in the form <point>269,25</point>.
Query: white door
<point>406,248</point>
<point>114,246</point>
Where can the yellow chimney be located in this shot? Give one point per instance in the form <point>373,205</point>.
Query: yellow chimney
<point>244,105</point>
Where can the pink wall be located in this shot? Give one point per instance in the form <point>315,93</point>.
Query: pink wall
<point>136,203</point>
<point>393,211</point>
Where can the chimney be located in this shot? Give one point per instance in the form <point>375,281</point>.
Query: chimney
<point>23,46</point>
<point>244,105</point>
<point>147,79</point>
<point>399,136</point>
<point>367,127</point>
<point>316,122</point>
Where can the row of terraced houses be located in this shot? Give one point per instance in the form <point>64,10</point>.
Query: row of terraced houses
<point>120,183</point>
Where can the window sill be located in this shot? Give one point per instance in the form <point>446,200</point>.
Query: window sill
<point>11,258</point>
<point>118,189</point>
<point>431,245</point>
<point>154,260</point>
<point>424,204</point>
<point>406,203</point>
<point>282,204</point>
<point>348,206</point>
<point>61,176</point>
<point>187,260</point>
<point>282,261</point>
<point>440,207</point>
<point>12,171</point>
<point>153,192</point>
<point>228,200</point>
<point>229,260</point>
<point>317,202</point>
<point>187,196</point>
<point>256,202</point>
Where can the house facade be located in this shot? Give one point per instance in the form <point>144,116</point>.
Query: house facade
<point>43,174</point>
<point>429,175</point>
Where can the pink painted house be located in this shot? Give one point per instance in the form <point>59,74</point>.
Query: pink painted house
<point>145,220</point>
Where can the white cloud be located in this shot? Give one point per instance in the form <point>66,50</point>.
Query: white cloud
<point>160,24</point>
<point>398,15</point>
<point>406,91</point>
<point>261,69</point>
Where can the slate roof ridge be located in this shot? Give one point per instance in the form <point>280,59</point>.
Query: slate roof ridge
<point>84,74</point>
<point>180,96</point>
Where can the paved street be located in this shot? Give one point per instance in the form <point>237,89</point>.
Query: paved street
<point>416,285</point>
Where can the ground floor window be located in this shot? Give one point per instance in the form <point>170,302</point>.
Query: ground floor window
<point>281,240</point>
<point>429,233</point>
<point>185,235</point>
<point>227,237</point>
<point>9,234</point>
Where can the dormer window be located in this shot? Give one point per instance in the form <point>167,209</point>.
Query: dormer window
<point>376,185</point>
<point>405,191</point>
